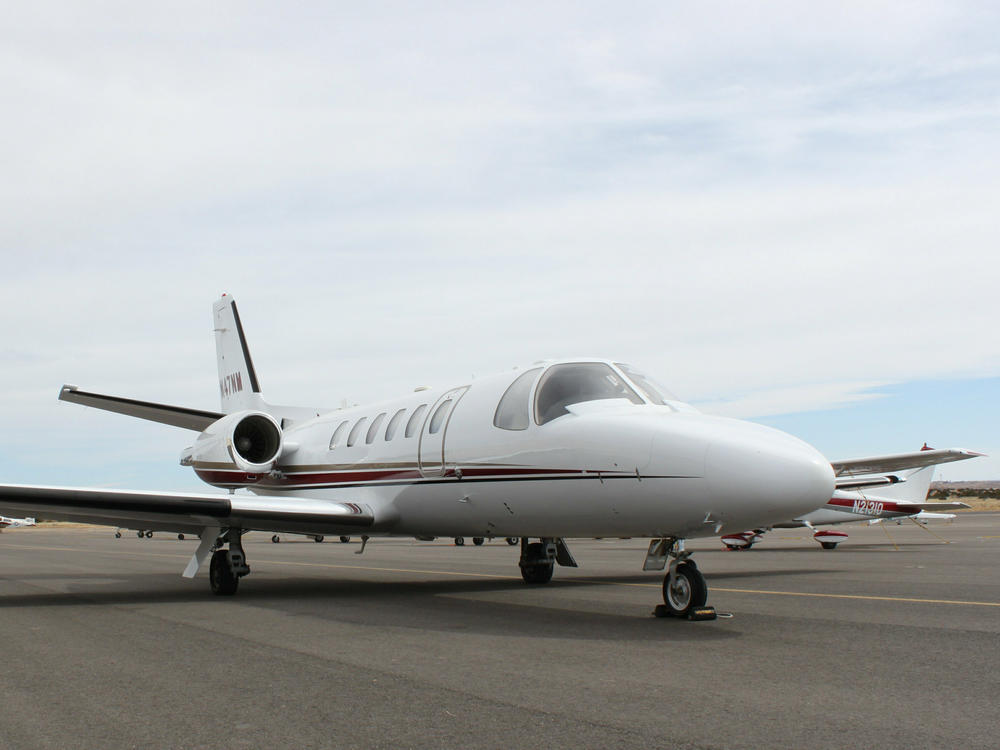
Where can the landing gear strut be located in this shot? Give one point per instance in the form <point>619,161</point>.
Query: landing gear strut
<point>228,566</point>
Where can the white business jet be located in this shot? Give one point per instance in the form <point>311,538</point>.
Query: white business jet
<point>568,448</point>
<point>871,498</point>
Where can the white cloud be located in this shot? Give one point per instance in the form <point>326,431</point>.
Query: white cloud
<point>780,205</point>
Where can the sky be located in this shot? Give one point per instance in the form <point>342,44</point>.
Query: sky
<point>787,213</point>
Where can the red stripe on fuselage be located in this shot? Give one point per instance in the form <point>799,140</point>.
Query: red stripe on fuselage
<point>887,505</point>
<point>373,476</point>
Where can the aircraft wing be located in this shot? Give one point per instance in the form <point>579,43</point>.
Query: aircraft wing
<point>183,512</point>
<point>854,467</point>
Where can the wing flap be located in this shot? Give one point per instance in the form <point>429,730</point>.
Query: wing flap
<point>184,512</point>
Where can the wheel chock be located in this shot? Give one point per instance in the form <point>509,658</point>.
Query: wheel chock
<point>698,613</point>
<point>702,613</point>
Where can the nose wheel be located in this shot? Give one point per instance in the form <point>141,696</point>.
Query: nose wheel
<point>684,588</point>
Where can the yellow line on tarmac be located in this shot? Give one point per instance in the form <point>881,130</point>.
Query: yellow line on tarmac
<point>714,589</point>
<point>858,596</point>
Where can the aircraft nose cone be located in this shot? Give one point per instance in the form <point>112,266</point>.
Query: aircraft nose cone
<point>769,474</point>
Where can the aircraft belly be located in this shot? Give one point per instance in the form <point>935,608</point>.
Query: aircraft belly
<point>583,507</point>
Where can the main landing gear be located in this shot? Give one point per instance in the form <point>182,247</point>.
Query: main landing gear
<point>538,559</point>
<point>228,566</point>
<point>684,587</point>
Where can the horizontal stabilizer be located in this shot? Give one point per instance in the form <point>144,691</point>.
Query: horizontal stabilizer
<point>177,416</point>
<point>854,467</point>
<point>931,506</point>
<point>184,512</point>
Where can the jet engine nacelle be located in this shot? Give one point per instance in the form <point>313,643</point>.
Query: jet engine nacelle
<point>250,440</point>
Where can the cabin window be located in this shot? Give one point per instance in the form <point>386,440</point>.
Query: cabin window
<point>373,430</point>
<point>414,424</point>
<point>513,411</point>
<point>439,415</point>
<point>338,435</point>
<point>390,431</point>
<point>652,390</point>
<point>356,431</point>
<point>565,385</point>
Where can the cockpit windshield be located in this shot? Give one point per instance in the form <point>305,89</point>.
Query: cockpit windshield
<point>652,390</point>
<point>565,385</point>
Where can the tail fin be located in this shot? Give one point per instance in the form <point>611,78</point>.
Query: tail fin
<point>239,388</point>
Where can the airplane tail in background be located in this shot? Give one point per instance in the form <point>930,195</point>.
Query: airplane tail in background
<point>239,388</point>
<point>913,490</point>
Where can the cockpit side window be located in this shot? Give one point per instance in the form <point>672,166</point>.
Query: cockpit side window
<point>513,411</point>
<point>655,392</point>
<point>565,385</point>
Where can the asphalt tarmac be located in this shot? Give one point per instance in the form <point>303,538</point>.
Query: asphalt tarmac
<point>890,641</point>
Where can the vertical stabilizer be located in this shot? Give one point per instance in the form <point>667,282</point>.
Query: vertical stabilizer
<point>913,490</point>
<point>239,388</point>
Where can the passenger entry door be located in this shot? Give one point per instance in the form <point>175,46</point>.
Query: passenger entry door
<point>432,434</point>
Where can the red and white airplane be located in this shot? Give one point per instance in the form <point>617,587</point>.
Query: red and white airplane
<point>568,448</point>
<point>896,497</point>
<point>15,523</point>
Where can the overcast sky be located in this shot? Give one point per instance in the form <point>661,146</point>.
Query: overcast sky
<point>784,212</point>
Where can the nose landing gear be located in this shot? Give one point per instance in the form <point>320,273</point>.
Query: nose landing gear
<point>684,588</point>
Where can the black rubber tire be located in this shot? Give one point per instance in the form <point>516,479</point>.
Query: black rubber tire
<point>478,541</point>
<point>512,540</point>
<point>220,577</point>
<point>345,539</point>
<point>180,536</point>
<point>690,590</point>
<point>275,539</point>
<point>538,572</point>
<point>319,538</point>
<point>140,534</point>
<point>118,535</point>
<point>149,534</point>
<point>535,567</point>
<point>829,545</point>
<point>459,541</point>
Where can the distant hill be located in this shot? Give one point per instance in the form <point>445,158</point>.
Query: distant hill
<point>982,495</point>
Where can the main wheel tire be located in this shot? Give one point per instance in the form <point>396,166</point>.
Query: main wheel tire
<point>220,577</point>
<point>140,534</point>
<point>275,539</point>
<point>535,566</point>
<point>149,534</point>
<point>478,541</point>
<point>345,539</point>
<point>688,592</point>
<point>829,545</point>
<point>180,536</point>
<point>319,538</point>
<point>118,535</point>
<point>537,572</point>
<point>459,541</point>
<point>512,540</point>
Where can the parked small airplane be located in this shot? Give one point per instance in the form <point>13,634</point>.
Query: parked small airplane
<point>565,448</point>
<point>15,523</point>
<point>899,496</point>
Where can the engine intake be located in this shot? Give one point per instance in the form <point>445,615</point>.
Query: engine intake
<point>257,440</point>
<point>250,441</point>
